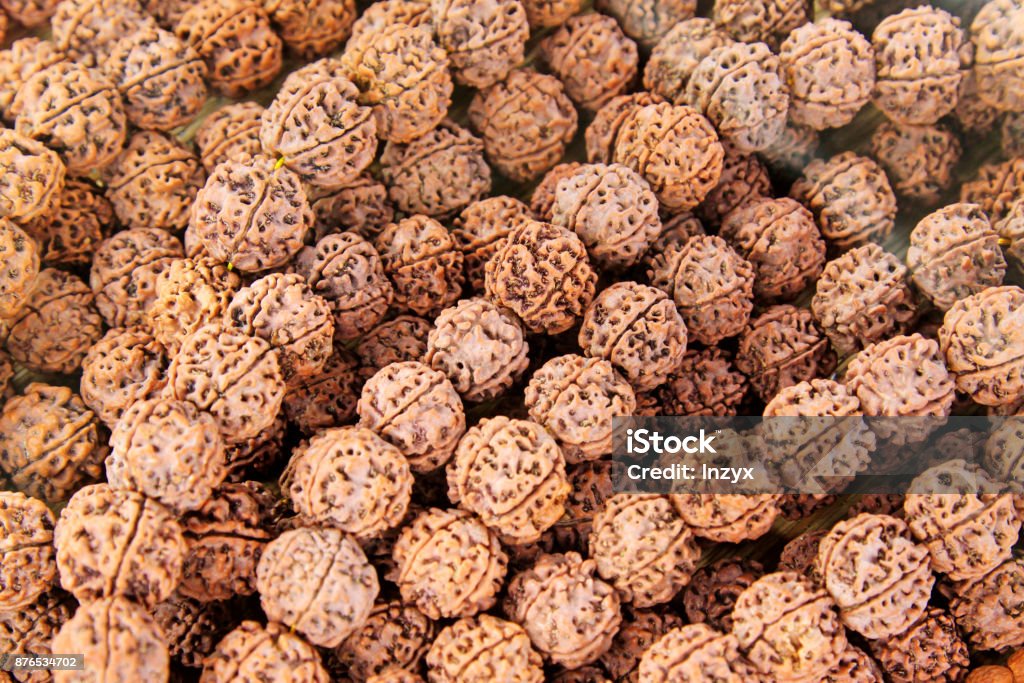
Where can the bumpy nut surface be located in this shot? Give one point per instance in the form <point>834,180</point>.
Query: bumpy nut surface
<point>711,594</point>
<point>930,650</point>
<point>480,230</point>
<point>996,188</point>
<point>449,564</point>
<point>704,383</point>
<point>233,130</point>
<point>744,178</point>
<point>118,543</point>
<point>153,182</point>
<point>251,214</point>
<point>19,62</point>
<point>316,125</point>
<point>575,398</point>
<point>125,270</point>
<point>32,628</point>
<point>543,275</point>
<point>648,21</point>
<point>920,160</point>
<point>53,331</point>
<point>192,628</point>
<point>542,201</point>
<point>318,581</point>
<point>76,111</point>
<point>29,13</point>
<point>69,236</point>
<point>484,40</point>
<point>20,258</point>
<point>189,294</point>
<point>395,634</point>
<point>526,122</point>
<point>694,652</point>
<point>678,53</point>
<point>361,207</point>
<point>384,13</point>
<point>830,71</point>
<point>312,28</point>
<point>423,262</point>
<point>712,287</point>
<point>401,339</point>
<point>126,366</point>
<point>989,609</point>
<point>160,78</point>
<point>254,652</point>
<point>86,30</point>
<point>26,546</point>
<point>979,340</point>
<point>31,178</point>
<point>640,629</point>
<point>603,131</point>
<point>593,58</point>
<point>235,39</point>
<point>862,297</point>
<point>783,346</point>
<point>484,648</point>
<point>402,73</point>
<point>920,58</point>
<point>997,38</point>
<point>119,641</point>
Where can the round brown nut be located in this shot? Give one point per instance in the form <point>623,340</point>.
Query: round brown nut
<point>352,479</point>
<point>920,160</point>
<point>327,398</point>
<point>727,518</point>
<point>125,366</point>
<point>312,28</point>
<point>640,629</point>
<point>543,275</point>
<point>437,174</point>
<point>990,674</point>
<point>704,383</point>
<point>920,58</point>
<point>118,543</point>
<point>787,628</point>
<point>542,200</point>
<point>766,21</point>
<point>86,30</point>
<point>931,650</point>
<point>830,71</point>
<point>879,578</point>
<point>783,346</point>
<point>189,294</point>
<point>603,132</point>
<point>979,340</point>
<point>58,324</point>
<point>643,547</point>
<point>997,38</point>
<point>481,649</point>
<point>800,555</point>
<point>694,652</point>
<point>954,253</point>
<point>251,214</point>
<point>744,178</point>
<point>851,198</point>
<point>988,609</point>
<point>119,641</point>
<point>69,236</point>
<point>550,13</point>
<point>712,287</point>
<point>253,652</point>
<point>740,89</point>
<point>192,628</point>
<point>996,188</point>
<point>676,56</point>
<point>395,634</point>
<point>231,131</point>
<point>561,589</point>
<point>448,564</point>
<point>575,398</point>
<point>26,546</point>
<point>235,39</point>
<point>972,113</point>
<point>479,346</point>
<point>160,78</point>
<point>361,207</point>
<point>224,539</point>
<point>32,628</point>
<point>484,40</point>
<point>318,581</point>
<point>30,13</point>
<point>76,112</point>
<point>317,128</point>
<point>593,58</point>
<point>854,666</point>
<point>20,270</point>
<point>481,229</point>
<point>154,181</point>
<point>401,339</point>
<point>526,122</point>
<point>710,596</point>
<point>862,297</point>
<point>423,262</point>
<point>32,178</point>
<point>24,57</point>
<point>403,75</point>
<point>648,21</point>
<point>384,13</point>
<point>125,270</point>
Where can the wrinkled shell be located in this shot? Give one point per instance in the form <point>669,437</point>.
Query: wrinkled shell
<point>193,628</point>
<point>482,649</point>
<point>126,366</point>
<point>189,294</point>
<point>29,13</point>
<point>676,56</point>
<point>603,132</point>
<point>26,546</point>
<point>86,30</point>
<point>395,634</point>
<point>727,518</point>
<point>593,58</point>
<point>782,347</point>
<point>542,201</point>
<point>711,594</point>
<point>744,178</point>
<point>401,339</point>
<point>385,13</point>
<point>19,257</point>
<point>767,21</point>
<point>997,37</point>
<point>423,262</point>
<point>125,270</point>
<point>253,652</point>
<point>920,160</point>
<point>704,383</point>
<point>327,398</point>
<point>361,207</point>
<point>648,21</point>
<point>484,39</point>
<point>229,132</point>
<point>311,28</point>
<point>24,58</point>
<point>481,229</point>
<point>989,610</point>
<point>854,666</point>
<point>70,235</point>
<point>996,187</point>
<point>694,652</point>
<point>31,178</point>
<point>640,629</point>
<point>931,650</point>
<point>32,628</point>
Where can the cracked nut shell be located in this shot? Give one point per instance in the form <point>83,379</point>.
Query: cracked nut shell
<point>423,262</point>
<point>593,58</point>
<point>125,270</point>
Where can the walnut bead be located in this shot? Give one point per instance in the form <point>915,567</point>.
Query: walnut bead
<point>694,652</point>
<point>603,132</point>
<point>253,652</point>
<point>481,649</point>
<point>70,235</point>
<point>704,383</point>
<point>125,366</point>
<point>648,21</point>
<point>192,628</point>
<point>484,40</point>
<point>676,56</point>
<point>593,58</point>
<point>125,270</point>
<point>988,610</point>
<point>86,30</point>
<point>231,131</point>
<point>996,187</point>
<point>385,13</point>
<point>32,629</point>
<point>30,13</point>
<point>481,229</point>
<point>997,38</point>
<point>312,29</point>
<point>327,398</point>
<point>920,160</point>
<point>26,546</point>
<point>20,270</point>
<point>395,634</point>
<point>24,58</point>
<point>711,594</point>
<point>767,21</point>
<point>744,178</point>
<point>640,629</point>
<point>32,178</point>
<point>423,262</point>
<point>189,294</point>
<point>403,338</point>
<point>542,200</point>
<point>782,347</point>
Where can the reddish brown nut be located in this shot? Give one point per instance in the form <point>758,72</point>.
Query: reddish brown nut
<point>484,40</point>
<point>643,547</point>
<point>677,229</point>
<point>829,69</point>
<point>710,596</point>
<point>997,38</point>
<point>481,649</point>
<point>591,484</point>
<point>640,629</point>
<point>481,229</point>
<point>727,518</point>
<point>31,178</point>
<point>327,398</point>
<point>712,286</point>
<point>800,554</point>
<point>766,21</point>
<point>931,650</point>
<point>125,366</point>
<point>189,294</point>
<point>119,641</point>
<point>996,187</point>
<point>231,131</point>
<point>401,339</point>
<point>676,56</point>
<point>385,13</point>
<point>988,610</point>
<point>593,58</point>
<point>24,58</point>
<point>125,270</point>
<point>448,564</point>
<point>235,39</point>
<point>70,235</point>
<point>990,674</point>
<point>318,581</point>
<point>86,30</point>
<point>920,160</point>
<point>395,634</point>
<point>854,666</point>
<point>32,628</point>
<point>782,347</point>
<point>26,546</point>
<point>402,73</point>
<point>972,113</point>
<point>526,121</point>
<point>862,297</point>
<point>648,21</point>
<point>57,325</point>
<point>920,58</point>
<point>787,628</point>
<point>312,28</point>
<point>361,207</point>
<point>192,628</point>
<point>704,383</point>
<point>424,263</point>
<point>543,275</point>
<point>744,178</point>
<point>542,201</point>
<point>479,346</point>
<point>694,652</point>
<point>20,270</point>
<point>603,131</point>
<point>30,13</point>
<point>167,13</point>
<point>251,214</point>
<point>253,652</point>
<point>543,14</point>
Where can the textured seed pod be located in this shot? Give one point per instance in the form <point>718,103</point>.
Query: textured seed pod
<point>648,21</point>
<point>766,21</point>
<point>30,13</point>
<point>125,270</point>
<point>800,555</point>
<point>189,294</point>
<point>677,229</point>
<point>996,187</point>
<point>988,609</point>
<point>423,262</point>
<point>57,325</point>
<point>787,628</point>
<point>640,629</point>
<point>192,628</point>
<point>484,648</point>
<point>327,398</point>
<point>997,38</point>
<point>401,339</point>
<point>118,640</point>
<point>125,366</point>
<point>448,564</point>
<point>403,75</point>
<point>854,666</point>
<point>24,58</point>
<point>727,518</point>
<point>26,546</point>
<point>593,58</point>
<point>479,346</point>
<point>395,634</point>
<point>20,269</point>
<point>711,594</point>
<point>694,652</point>
<point>31,178</point>
<point>543,14</point>
<point>481,229</point>
<point>703,383</point>
<point>782,347</point>
<point>224,539</point>
<point>676,56</point>
<point>253,652</point>
<point>603,131</point>
<point>361,207</point>
<point>70,234</point>
<point>235,39</point>
<point>231,131</point>
<point>920,160</point>
<point>32,628</point>
<point>251,239</point>
<point>484,40</point>
<point>543,275</point>
<point>712,286</point>
<point>542,201</point>
<point>972,114</point>
<point>862,297</point>
<point>384,13</point>
<point>744,178</point>
<point>86,30</point>
<point>931,650</point>
<point>526,121</point>
<point>979,340</point>
<point>318,128</point>
<point>312,28</point>
<point>920,58</point>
